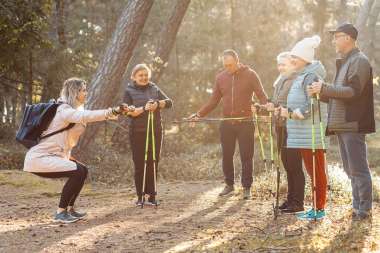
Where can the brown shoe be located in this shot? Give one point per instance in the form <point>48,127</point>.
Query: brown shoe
<point>247,193</point>
<point>361,216</point>
<point>227,189</point>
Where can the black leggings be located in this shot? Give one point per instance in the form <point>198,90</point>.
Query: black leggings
<point>72,187</point>
<point>292,161</point>
<point>138,151</point>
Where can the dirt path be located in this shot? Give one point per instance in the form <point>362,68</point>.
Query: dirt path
<point>191,218</point>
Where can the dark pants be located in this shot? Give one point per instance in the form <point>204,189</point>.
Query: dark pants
<point>138,152</point>
<point>353,150</point>
<point>72,187</point>
<point>244,133</point>
<point>292,161</point>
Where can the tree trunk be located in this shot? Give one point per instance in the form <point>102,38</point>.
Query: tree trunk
<point>361,21</point>
<point>165,44</point>
<point>60,15</point>
<point>30,78</point>
<point>14,107</point>
<point>167,38</point>
<point>372,20</point>
<point>60,21</point>
<point>233,23</point>
<point>342,11</point>
<point>2,101</point>
<point>8,105</point>
<point>46,93</point>
<point>320,17</point>
<point>108,77</point>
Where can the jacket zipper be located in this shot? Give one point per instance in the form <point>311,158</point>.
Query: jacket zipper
<point>233,89</point>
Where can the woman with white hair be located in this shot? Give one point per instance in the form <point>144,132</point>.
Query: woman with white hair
<point>51,157</point>
<point>291,158</point>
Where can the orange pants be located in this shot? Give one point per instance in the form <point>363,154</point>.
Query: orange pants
<point>320,174</point>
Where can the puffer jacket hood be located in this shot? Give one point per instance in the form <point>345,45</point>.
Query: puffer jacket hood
<point>315,67</point>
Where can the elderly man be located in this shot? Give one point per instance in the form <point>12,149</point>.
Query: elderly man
<point>235,86</point>
<point>351,114</point>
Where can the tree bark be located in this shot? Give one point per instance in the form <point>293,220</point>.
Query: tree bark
<point>14,108</point>
<point>363,14</point>
<point>108,78</point>
<point>342,11</point>
<point>361,21</point>
<point>164,46</point>
<point>320,17</point>
<point>372,20</point>
<point>2,92</point>
<point>30,78</point>
<point>8,105</point>
<point>167,38</point>
<point>59,35</point>
<point>60,21</point>
<point>233,23</point>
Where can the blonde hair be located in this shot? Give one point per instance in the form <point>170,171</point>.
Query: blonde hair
<point>70,90</point>
<point>139,67</point>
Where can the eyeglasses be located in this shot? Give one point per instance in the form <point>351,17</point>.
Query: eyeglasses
<point>338,36</point>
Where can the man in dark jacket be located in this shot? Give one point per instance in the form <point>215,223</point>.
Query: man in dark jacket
<point>235,85</point>
<point>351,114</point>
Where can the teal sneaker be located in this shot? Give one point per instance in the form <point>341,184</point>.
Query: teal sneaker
<point>65,217</point>
<point>304,214</point>
<point>79,215</point>
<point>312,215</point>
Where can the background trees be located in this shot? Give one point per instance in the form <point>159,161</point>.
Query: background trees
<point>43,42</point>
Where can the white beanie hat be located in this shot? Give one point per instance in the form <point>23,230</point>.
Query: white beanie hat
<point>305,48</point>
<point>281,57</point>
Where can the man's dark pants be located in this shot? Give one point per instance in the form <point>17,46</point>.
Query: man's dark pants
<point>243,133</point>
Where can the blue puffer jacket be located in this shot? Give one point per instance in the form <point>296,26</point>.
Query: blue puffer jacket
<point>300,131</point>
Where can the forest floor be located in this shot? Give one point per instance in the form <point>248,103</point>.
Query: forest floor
<point>191,218</point>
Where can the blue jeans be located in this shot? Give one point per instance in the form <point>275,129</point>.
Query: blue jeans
<point>353,150</point>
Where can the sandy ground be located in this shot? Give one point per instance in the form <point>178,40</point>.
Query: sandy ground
<point>191,218</point>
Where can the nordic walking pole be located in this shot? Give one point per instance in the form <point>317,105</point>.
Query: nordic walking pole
<point>154,154</point>
<point>211,120</point>
<point>279,146</point>
<point>271,140</point>
<point>280,137</point>
<point>321,128</point>
<point>314,154</point>
<point>260,138</point>
<point>145,159</point>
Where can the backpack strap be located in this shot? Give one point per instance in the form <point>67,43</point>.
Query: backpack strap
<point>71,125</point>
